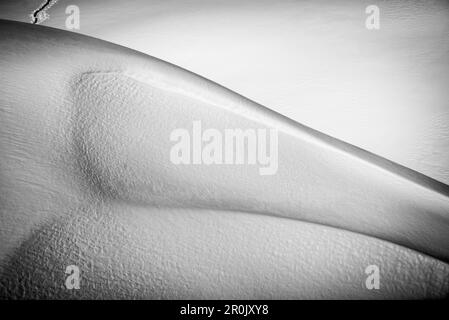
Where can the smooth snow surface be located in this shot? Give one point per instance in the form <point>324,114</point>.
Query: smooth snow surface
<point>86,180</point>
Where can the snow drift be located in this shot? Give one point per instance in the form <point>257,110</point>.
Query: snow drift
<point>86,179</point>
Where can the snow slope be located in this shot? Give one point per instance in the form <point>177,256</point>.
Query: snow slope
<point>86,180</point>
<point>313,61</point>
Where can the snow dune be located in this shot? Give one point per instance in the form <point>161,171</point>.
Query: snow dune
<point>85,170</point>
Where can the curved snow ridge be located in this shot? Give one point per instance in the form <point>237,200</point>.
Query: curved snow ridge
<point>120,124</point>
<point>320,179</point>
<point>233,102</point>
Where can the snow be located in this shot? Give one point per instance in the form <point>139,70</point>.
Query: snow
<point>85,180</point>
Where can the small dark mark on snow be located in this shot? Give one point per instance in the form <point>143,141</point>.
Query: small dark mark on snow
<point>39,15</point>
